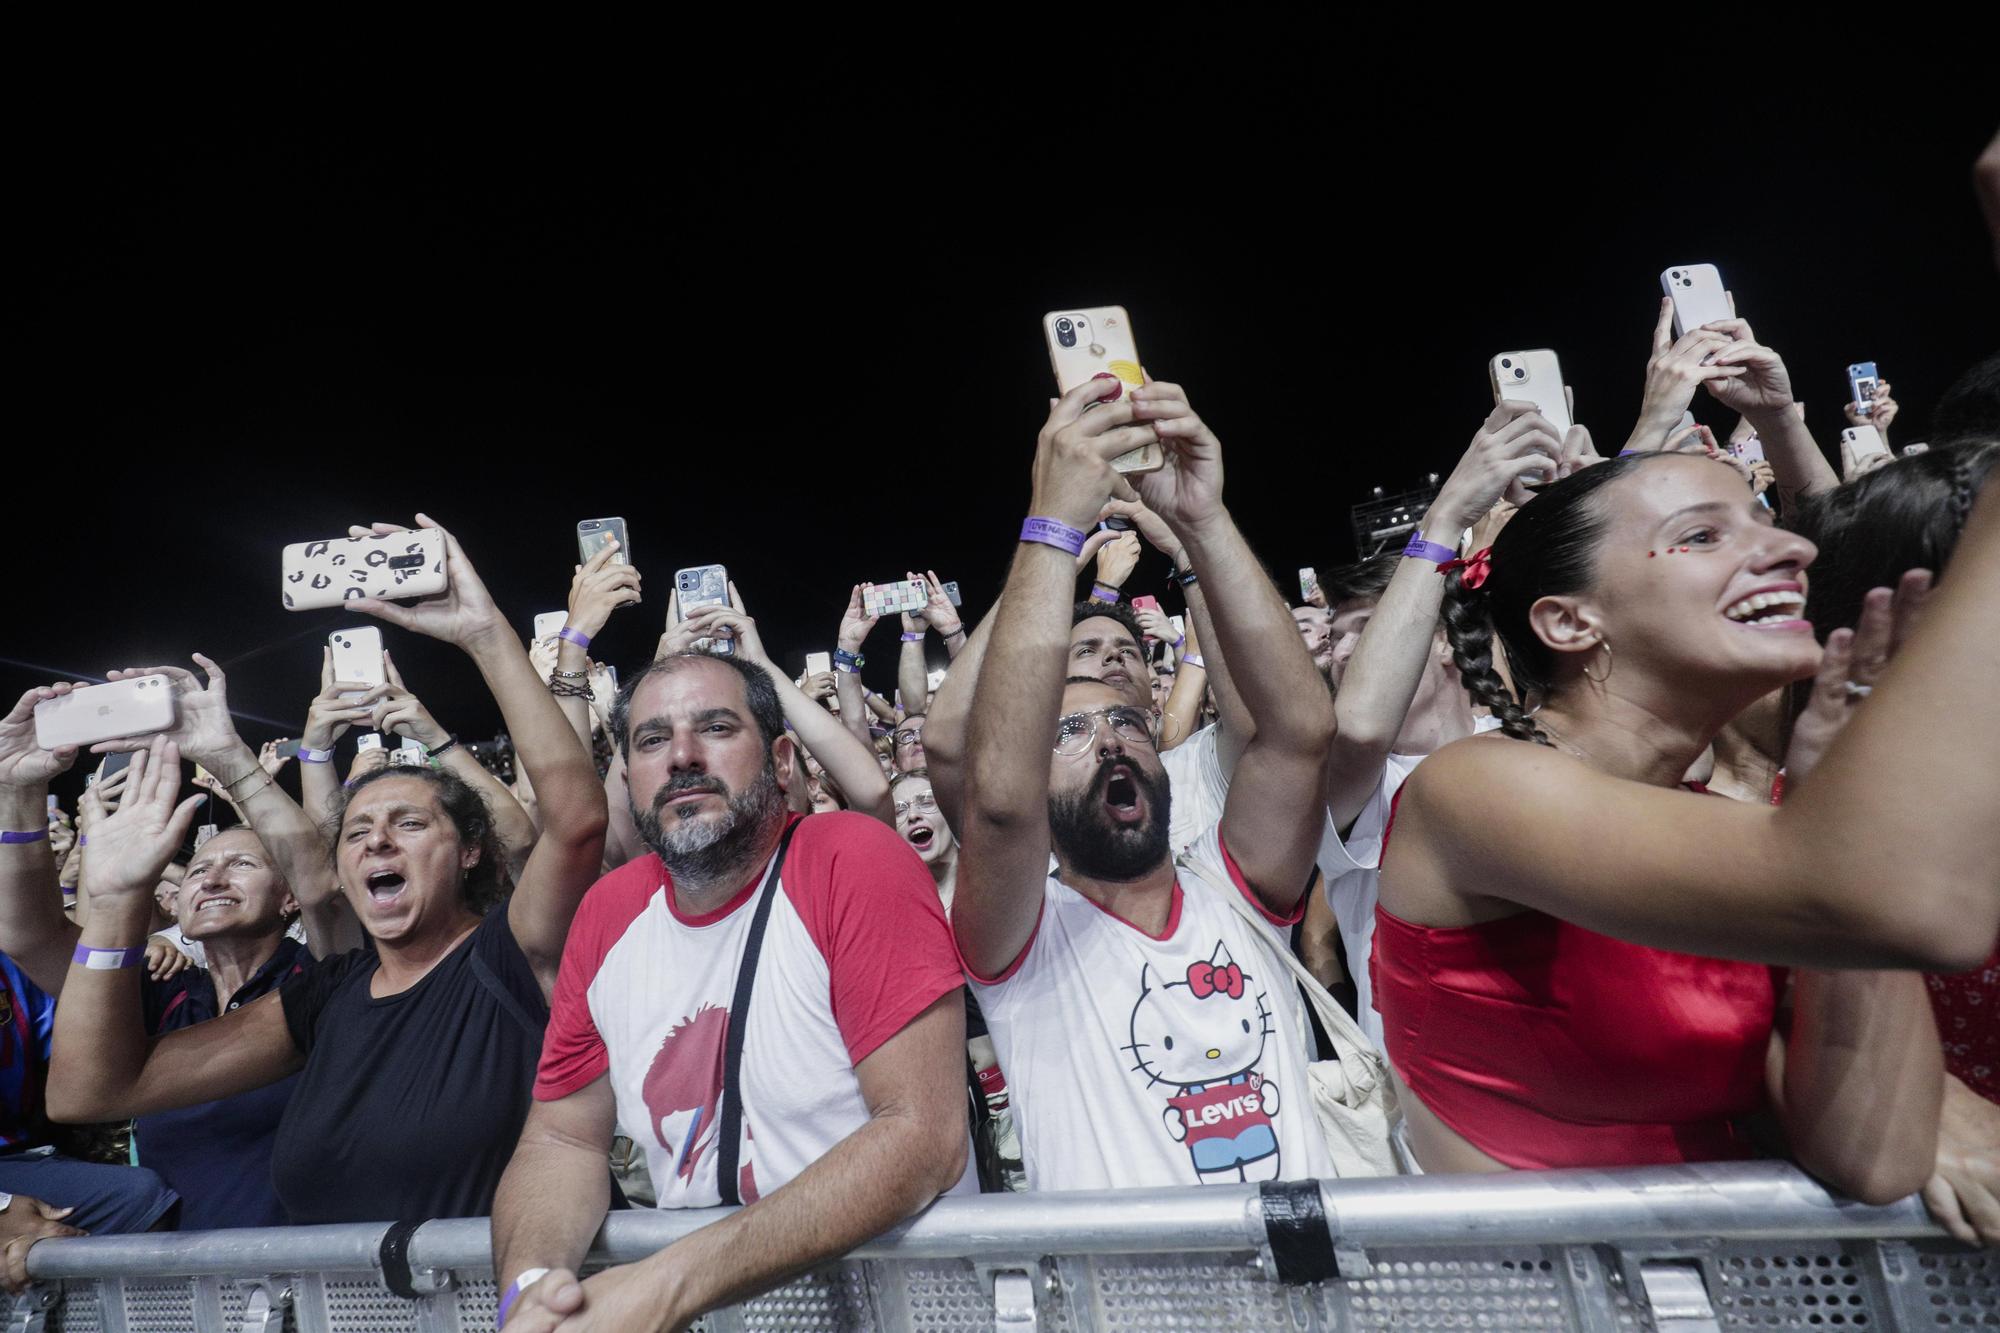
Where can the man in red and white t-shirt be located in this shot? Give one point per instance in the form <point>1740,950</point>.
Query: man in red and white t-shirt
<point>1150,1031</point>
<point>854,1046</point>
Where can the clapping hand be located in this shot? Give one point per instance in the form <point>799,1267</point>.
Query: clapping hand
<point>130,848</point>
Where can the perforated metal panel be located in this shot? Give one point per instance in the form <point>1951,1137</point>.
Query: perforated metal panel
<point>1960,1289</point>
<point>1184,1292</point>
<point>834,1299</point>
<point>1518,1289</point>
<point>154,1305</point>
<point>359,1303</point>
<point>1804,1285</point>
<point>78,1312</point>
<point>946,1296</point>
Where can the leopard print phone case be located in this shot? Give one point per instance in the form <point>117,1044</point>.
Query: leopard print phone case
<point>398,566</point>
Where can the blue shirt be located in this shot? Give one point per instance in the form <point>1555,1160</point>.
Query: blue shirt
<point>218,1155</point>
<point>27,1018</point>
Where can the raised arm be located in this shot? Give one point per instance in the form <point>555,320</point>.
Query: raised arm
<point>1381,679</point>
<point>913,668</point>
<point>33,930</point>
<point>103,1066</point>
<point>569,853</point>
<point>855,626</point>
<point>1182,714</point>
<point>1004,834</point>
<point>1763,395</point>
<point>1271,822</point>
<point>599,587</point>
<point>1917,767</point>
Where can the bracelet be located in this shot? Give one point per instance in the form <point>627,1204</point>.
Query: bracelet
<point>1185,577</point>
<point>575,636</point>
<point>1100,593</point>
<point>9,838</point>
<point>958,633</point>
<point>569,675</point>
<point>449,741</point>
<point>1189,659</point>
<point>308,755</point>
<point>1177,644</point>
<point>108,960</point>
<point>565,689</point>
<point>908,637</point>
<point>1051,532</point>
<point>529,1277</point>
<point>851,663</point>
<point>1435,552</point>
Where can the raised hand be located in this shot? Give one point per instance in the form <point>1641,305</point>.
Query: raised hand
<point>62,834</point>
<point>599,588</point>
<point>1881,410</point>
<point>270,760</point>
<point>855,624</point>
<point>202,726</point>
<point>820,687</point>
<point>462,614</point>
<point>915,622</point>
<point>939,611</point>
<point>1513,442</point>
<point>130,848</point>
<point>1676,368</point>
<point>399,712</point>
<point>1764,386</point>
<point>1125,504</point>
<point>1073,474</point>
<point>23,763</point>
<point>339,705</point>
<point>1117,558</point>
<point>1854,659</point>
<point>727,622</point>
<point>1154,623</point>
<point>163,961</point>
<point>1187,492</point>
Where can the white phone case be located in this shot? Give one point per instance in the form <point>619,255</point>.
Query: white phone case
<point>1532,377</point>
<point>1698,295</point>
<point>1086,344</point>
<point>109,712</point>
<point>357,657</point>
<point>1859,442</point>
<point>400,565</point>
<point>548,624</point>
<point>818,664</point>
<point>368,740</point>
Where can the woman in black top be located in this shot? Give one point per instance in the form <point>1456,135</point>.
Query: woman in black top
<point>417,1056</point>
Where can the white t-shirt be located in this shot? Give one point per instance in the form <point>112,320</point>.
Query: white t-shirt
<point>855,947</point>
<point>1199,787</point>
<point>1353,871</point>
<point>1137,1061</point>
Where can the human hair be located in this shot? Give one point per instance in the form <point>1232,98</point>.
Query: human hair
<point>758,690</point>
<point>1547,549</point>
<point>1904,515</point>
<point>1362,581</point>
<point>1970,408</point>
<point>486,883</point>
<point>1117,611</point>
<point>923,773</point>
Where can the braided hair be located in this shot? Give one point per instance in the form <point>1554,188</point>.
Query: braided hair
<point>1547,549</point>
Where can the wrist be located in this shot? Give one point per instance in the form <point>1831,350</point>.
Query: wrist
<point>1769,420</point>
<point>1446,522</point>
<point>23,808</point>
<point>483,637</point>
<point>231,763</point>
<point>1080,516</point>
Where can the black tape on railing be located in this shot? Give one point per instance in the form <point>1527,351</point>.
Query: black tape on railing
<point>1296,1226</point>
<point>394,1256</point>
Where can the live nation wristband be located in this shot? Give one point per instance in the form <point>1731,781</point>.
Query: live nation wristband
<point>908,637</point>
<point>108,960</point>
<point>1435,552</point>
<point>308,755</point>
<point>514,1289</point>
<point>1100,593</point>
<point>9,837</point>
<point>575,636</point>
<point>1050,532</point>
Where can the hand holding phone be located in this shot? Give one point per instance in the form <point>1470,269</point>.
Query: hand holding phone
<point>594,534</point>
<point>1862,450</point>
<point>357,658</point>
<point>694,588</point>
<point>1861,381</point>
<point>1097,343</point>
<point>397,563</point>
<point>136,706</point>
<point>1698,295</point>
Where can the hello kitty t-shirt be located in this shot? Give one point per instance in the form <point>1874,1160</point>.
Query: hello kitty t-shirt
<point>1138,1061</point>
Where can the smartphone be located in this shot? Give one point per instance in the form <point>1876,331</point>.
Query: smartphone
<point>288,749</point>
<point>1532,377</point>
<point>548,624</point>
<point>1097,343</point>
<point>135,707</point>
<point>203,833</point>
<point>593,533</point>
<point>818,664</point>
<point>1917,447</point>
<point>1857,445</point>
<point>114,764</point>
<point>1750,451</point>
<point>1308,582</point>
<point>357,658</point>
<point>410,754</point>
<point>1861,382</point>
<point>933,679</point>
<point>699,586</point>
<point>1180,626</point>
<point>1116,523</point>
<point>55,804</point>
<point>400,565</point>
<point>368,740</point>
<point>951,593</point>
<point>1698,296</point>
<point>883,599</point>
<point>1150,603</point>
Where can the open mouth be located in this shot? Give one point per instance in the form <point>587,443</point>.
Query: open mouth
<point>1769,610</point>
<point>1121,796</point>
<point>921,837</point>
<point>385,885</point>
<point>221,900</point>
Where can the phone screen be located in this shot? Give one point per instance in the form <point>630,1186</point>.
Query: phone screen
<point>113,765</point>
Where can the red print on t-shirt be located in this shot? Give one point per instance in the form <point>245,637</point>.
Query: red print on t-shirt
<point>686,1075</point>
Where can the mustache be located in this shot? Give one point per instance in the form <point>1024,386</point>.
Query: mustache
<point>688,782</point>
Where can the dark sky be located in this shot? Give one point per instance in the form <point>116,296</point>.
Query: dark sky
<point>793,327</point>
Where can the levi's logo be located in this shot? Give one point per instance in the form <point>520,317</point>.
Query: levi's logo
<point>1215,1114</point>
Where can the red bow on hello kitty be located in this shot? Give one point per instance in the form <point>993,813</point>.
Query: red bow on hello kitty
<point>1206,979</point>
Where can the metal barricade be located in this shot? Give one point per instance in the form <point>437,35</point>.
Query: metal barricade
<point>1672,1250</point>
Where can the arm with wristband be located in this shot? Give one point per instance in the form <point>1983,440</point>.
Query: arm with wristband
<point>33,930</point>
<point>1381,681</point>
<point>1181,717</point>
<point>913,668</point>
<point>855,626</point>
<point>598,588</point>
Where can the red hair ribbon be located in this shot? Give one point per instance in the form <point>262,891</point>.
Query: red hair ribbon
<point>1476,566</point>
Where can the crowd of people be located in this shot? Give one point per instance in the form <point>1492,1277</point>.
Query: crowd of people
<point>1641,809</point>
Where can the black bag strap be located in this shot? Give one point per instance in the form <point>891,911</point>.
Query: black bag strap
<point>729,1129</point>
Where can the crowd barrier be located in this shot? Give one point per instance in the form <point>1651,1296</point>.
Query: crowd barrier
<point>1672,1250</point>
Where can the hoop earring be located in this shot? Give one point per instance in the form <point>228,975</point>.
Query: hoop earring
<point>1599,680</point>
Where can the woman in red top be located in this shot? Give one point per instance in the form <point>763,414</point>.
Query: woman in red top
<point>1574,954</point>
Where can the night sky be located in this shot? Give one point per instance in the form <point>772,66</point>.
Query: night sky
<point>793,328</point>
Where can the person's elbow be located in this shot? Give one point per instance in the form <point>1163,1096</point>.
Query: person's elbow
<point>1874,1176</point>
<point>936,1152</point>
<point>68,1103</point>
<point>1938,932</point>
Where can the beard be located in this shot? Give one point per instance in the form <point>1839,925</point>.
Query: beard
<point>1095,845</point>
<point>703,849</point>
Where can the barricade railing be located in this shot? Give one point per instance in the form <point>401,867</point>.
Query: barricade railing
<point>1671,1249</point>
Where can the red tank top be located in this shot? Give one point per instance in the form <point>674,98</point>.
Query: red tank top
<point>1547,1045</point>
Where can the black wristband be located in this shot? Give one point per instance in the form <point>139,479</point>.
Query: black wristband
<point>449,741</point>
<point>1186,577</point>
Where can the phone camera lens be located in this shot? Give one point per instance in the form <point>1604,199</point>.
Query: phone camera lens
<point>1505,363</point>
<point>1520,374</point>
<point>1687,282</point>
<point>1063,326</point>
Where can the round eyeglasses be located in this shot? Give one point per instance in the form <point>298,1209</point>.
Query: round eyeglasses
<point>921,803</point>
<point>1074,731</point>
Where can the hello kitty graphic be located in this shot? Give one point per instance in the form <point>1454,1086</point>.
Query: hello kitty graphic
<point>1201,1036</point>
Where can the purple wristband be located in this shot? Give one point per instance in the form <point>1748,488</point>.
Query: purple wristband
<point>308,755</point>
<point>1100,593</point>
<point>912,638</point>
<point>1435,552</point>
<point>514,1290</point>
<point>575,636</point>
<point>1049,532</point>
<point>9,837</point>
<point>108,960</point>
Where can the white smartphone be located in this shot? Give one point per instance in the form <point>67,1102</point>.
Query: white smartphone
<point>1097,343</point>
<point>1532,377</point>
<point>1180,626</point>
<point>593,534</point>
<point>368,740</point>
<point>410,754</point>
<point>357,657</point>
<point>203,833</point>
<point>1698,294</point>
<point>818,664</point>
<point>885,599</point>
<point>699,586</point>
<point>1859,444</point>
<point>136,707</point>
<point>933,679</point>
<point>548,624</point>
<point>1750,451</point>
<point>1917,447</point>
<point>1861,381</point>
<point>1308,581</point>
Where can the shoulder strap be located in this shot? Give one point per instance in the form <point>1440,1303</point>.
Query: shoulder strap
<point>729,1129</point>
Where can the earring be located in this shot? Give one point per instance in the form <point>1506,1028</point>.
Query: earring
<point>1605,644</point>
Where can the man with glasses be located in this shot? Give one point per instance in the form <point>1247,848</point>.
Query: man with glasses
<point>909,741</point>
<point>1149,1030</point>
